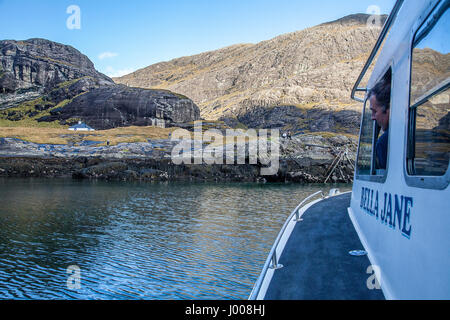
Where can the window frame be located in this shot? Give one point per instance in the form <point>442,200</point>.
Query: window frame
<point>373,176</point>
<point>418,181</point>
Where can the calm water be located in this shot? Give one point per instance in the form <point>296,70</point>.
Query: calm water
<point>138,240</point>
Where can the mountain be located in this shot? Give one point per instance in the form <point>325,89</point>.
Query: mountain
<point>430,69</point>
<point>29,69</point>
<point>45,81</point>
<point>299,80</point>
<point>121,106</point>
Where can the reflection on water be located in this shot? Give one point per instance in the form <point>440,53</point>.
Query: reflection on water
<point>138,240</point>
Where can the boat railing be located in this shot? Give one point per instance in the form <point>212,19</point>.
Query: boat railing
<point>272,260</point>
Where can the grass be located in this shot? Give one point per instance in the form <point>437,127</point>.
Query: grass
<point>61,135</point>
<point>29,124</point>
<point>54,61</point>
<point>68,83</point>
<point>171,92</point>
<point>22,111</point>
<point>27,113</point>
<point>306,106</point>
<point>327,134</point>
<point>34,134</point>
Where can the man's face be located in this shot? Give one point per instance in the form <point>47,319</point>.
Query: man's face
<point>381,117</point>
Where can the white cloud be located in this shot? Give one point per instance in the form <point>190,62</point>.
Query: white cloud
<point>113,73</point>
<point>107,55</point>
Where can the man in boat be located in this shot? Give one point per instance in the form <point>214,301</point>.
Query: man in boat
<point>380,100</point>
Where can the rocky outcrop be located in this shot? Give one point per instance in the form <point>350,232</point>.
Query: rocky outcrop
<point>299,119</point>
<point>312,69</point>
<point>31,69</point>
<point>46,81</point>
<point>304,158</point>
<point>121,106</point>
<point>40,64</point>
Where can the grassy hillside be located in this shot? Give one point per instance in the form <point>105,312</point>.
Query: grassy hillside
<point>61,135</point>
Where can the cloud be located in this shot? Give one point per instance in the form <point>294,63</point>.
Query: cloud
<point>107,55</point>
<point>113,73</point>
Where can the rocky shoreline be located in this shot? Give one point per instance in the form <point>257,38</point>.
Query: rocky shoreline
<point>303,159</point>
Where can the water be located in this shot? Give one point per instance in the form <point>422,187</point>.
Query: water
<point>138,240</point>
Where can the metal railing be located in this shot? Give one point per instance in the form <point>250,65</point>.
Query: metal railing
<point>272,260</point>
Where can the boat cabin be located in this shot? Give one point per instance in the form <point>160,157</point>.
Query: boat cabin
<point>399,208</point>
<point>390,236</point>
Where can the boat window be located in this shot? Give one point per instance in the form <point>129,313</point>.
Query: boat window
<point>373,148</point>
<point>429,112</point>
<point>364,161</point>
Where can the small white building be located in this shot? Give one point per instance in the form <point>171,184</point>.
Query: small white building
<point>81,127</point>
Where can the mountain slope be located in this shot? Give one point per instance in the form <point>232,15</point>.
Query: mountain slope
<point>29,69</point>
<point>45,82</point>
<point>313,68</point>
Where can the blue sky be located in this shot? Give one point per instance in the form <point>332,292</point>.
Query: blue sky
<point>136,33</point>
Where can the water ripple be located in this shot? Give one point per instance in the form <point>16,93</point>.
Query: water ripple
<point>138,240</point>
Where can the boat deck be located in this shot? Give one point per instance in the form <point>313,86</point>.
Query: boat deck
<point>316,259</point>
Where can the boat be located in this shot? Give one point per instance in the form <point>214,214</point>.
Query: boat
<point>388,238</point>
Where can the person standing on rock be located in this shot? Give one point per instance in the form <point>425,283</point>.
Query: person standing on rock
<point>289,135</point>
<point>380,100</point>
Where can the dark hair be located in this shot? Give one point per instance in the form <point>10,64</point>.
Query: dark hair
<point>382,91</point>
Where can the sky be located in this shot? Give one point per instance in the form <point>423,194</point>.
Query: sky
<point>120,36</point>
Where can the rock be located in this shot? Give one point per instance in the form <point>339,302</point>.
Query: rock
<point>304,159</point>
<point>108,170</point>
<point>38,76</point>
<point>121,106</point>
<point>41,68</point>
<point>299,119</point>
<point>40,63</point>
